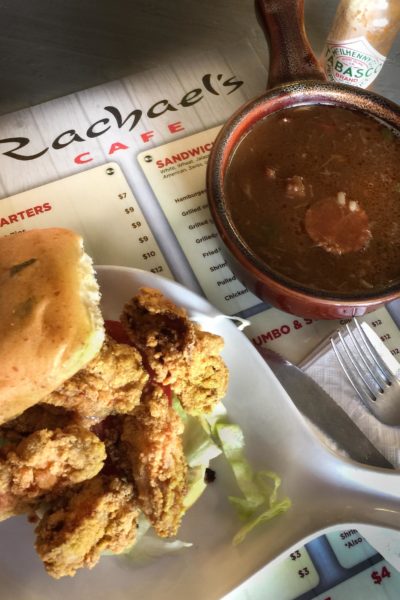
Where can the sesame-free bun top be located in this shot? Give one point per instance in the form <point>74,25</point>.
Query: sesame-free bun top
<point>50,320</point>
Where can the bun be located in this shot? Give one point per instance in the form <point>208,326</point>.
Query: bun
<point>50,320</point>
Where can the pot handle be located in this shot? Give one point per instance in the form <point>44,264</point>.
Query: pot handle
<point>291,56</point>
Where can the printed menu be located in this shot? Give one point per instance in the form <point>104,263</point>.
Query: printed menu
<point>176,173</point>
<point>98,204</point>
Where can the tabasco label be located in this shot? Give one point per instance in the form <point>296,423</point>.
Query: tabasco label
<point>354,62</point>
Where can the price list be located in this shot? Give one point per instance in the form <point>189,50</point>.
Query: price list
<point>285,580</point>
<point>340,565</point>
<point>296,338</point>
<point>176,173</point>
<point>98,204</point>
<point>380,582</point>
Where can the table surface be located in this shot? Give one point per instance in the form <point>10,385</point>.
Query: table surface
<point>50,48</point>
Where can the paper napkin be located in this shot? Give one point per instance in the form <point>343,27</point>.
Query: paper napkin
<point>328,373</point>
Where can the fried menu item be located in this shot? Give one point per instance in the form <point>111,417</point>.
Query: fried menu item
<point>111,383</point>
<point>107,444</point>
<point>153,440</point>
<point>202,381</point>
<point>100,514</point>
<point>47,460</point>
<point>179,353</point>
<point>39,416</point>
<point>161,331</point>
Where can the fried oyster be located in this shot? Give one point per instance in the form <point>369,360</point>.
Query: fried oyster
<point>107,444</point>
<point>179,353</point>
<point>44,461</point>
<point>111,383</point>
<point>100,514</point>
<point>152,438</point>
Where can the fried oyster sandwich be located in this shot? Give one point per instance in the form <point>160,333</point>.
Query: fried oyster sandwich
<point>89,436</point>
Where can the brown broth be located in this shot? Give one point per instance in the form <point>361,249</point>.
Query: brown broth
<point>297,157</point>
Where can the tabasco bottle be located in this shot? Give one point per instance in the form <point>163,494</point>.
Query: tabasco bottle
<point>361,36</point>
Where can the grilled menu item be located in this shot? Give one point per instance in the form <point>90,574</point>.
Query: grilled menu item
<point>89,434</point>
<point>50,325</point>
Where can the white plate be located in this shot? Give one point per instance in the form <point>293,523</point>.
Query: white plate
<point>325,490</point>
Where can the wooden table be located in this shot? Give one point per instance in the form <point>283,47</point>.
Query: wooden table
<point>49,48</point>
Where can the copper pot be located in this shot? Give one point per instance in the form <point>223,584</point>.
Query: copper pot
<point>295,78</point>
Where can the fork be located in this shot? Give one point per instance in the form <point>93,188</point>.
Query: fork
<point>369,375</point>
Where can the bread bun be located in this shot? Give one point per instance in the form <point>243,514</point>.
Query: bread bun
<point>50,320</point>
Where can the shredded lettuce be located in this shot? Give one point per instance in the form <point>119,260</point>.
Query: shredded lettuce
<point>3,442</point>
<point>259,502</point>
<point>151,546</point>
<point>196,485</point>
<point>205,438</point>
<point>148,545</point>
<point>199,448</point>
<point>198,445</point>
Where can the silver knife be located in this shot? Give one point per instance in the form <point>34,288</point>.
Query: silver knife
<point>316,404</point>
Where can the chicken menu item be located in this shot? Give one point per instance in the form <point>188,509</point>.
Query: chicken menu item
<point>102,443</point>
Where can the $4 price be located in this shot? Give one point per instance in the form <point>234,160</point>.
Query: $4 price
<point>378,576</point>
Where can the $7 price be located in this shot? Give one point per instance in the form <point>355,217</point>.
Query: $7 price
<point>377,576</point>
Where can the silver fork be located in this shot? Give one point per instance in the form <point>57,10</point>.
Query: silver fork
<point>375,384</point>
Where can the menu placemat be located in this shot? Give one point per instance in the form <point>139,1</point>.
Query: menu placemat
<point>98,204</point>
<point>176,173</point>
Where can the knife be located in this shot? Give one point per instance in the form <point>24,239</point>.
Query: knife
<point>321,409</point>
